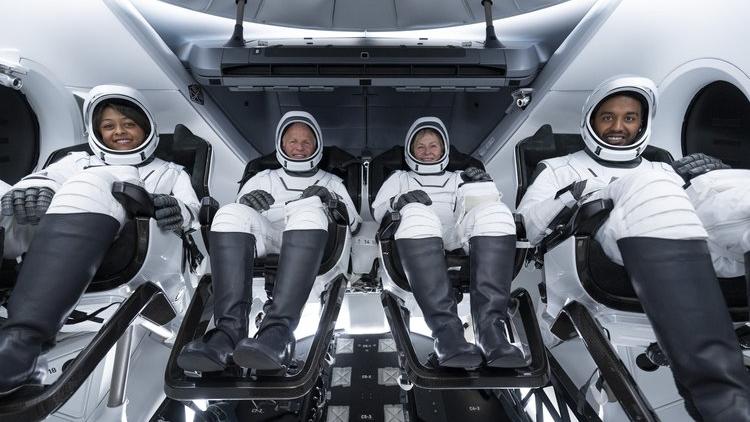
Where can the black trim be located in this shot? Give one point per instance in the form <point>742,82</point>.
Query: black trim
<point>41,403</point>
<point>179,386</point>
<point>614,164</point>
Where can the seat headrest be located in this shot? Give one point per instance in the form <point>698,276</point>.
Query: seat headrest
<point>391,160</point>
<point>545,144</point>
<point>183,148</point>
<point>335,160</point>
<point>190,151</point>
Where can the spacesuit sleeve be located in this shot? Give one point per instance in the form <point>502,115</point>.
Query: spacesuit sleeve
<point>188,200</point>
<point>539,206</point>
<point>354,218</point>
<point>56,173</point>
<point>382,204</point>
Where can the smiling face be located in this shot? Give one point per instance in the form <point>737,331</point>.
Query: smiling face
<point>119,132</point>
<point>617,120</point>
<point>427,146</point>
<point>298,141</point>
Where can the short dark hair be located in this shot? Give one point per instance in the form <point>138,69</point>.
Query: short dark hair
<point>127,108</point>
<point>630,94</point>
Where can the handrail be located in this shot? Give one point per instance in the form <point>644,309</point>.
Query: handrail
<point>27,407</point>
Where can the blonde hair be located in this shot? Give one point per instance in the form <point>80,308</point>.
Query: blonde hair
<point>421,133</point>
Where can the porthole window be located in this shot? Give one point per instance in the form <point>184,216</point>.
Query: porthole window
<point>19,136</point>
<point>717,123</point>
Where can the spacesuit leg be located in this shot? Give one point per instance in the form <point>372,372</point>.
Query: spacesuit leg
<point>722,201</point>
<point>236,233</point>
<point>490,231</point>
<point>70,243</point>
<point>661,242</point>
<point>302,248</point>
<point>420,248</point>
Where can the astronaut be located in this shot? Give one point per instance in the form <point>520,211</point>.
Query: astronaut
<point>277,211</point>
<point>64,218</point>
<point>655,233</point>
<point>444,210</point>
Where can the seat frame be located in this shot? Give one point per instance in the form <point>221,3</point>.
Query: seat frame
<point>399,305</point>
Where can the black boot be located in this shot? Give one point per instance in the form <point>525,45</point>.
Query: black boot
<point>677,287</point>
<point>492,259</point>
<point>424,264</point>
<point>60,263</point>
<point>299,261</point>
<point>232,255</point>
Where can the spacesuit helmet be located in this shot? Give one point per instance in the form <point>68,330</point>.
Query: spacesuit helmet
<point>417,129</point>
<point>638,88</point>
<point>290,163</point>
<point>133,105</point>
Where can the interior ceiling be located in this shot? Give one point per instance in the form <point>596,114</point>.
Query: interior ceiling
<point>370,15</point>
<point>373,118</point>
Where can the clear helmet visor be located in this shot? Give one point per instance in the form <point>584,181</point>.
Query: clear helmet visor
<point>120,127</point>
<point>298,164</point>
<point>629,101</point>
<point>422,134</point>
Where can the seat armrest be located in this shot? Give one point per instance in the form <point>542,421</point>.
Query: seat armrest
<point>209,207</point>
<point>522,241</point>
<point>590,216</point>
<point>388,226</point>
<point>585,221</point>
<point>135,199</point>
<point>337,211</point>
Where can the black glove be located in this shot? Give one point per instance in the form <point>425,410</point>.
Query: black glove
<point>27,205</point>
<point>419,196</point>
<point>696,164</point>
<point>326,197</point>
<point>473,174</point>
<point>259,200</point>
<point>167,211</point>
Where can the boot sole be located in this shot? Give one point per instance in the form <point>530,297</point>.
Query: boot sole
<point>199,362</point>
<point>256,358</point>
<point>505,362</point>
<point>468,362</point>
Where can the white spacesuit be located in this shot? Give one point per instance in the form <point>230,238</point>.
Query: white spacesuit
<point>441,210</point>
<point>277,211</point>
<point>722,201</point>
<point>64,218</point>
<point>83,183</point>
<point>655,233</point>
